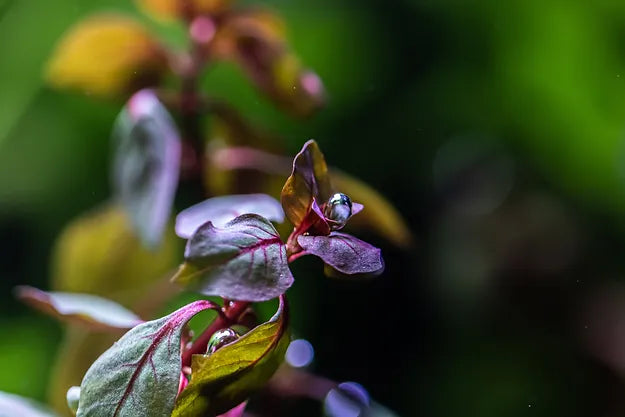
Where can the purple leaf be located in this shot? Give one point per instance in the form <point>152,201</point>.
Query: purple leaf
<point>246,260</point>
<point>344,252</point>
<point>139,375</point>
<point>146,164</point>
<point>89,310</point>
<point>356,208</point>
<point>221,210</point>
<point>12,405</point>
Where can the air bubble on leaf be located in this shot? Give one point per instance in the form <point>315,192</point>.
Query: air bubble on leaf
<point>73,396</point>
<point>220,339</point>
<point>300,353</point>
<point>338,210</point>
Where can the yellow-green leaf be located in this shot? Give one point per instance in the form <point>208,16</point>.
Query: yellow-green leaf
<point>227,377</point>
<point>378,215</point>
<point>107,55</point>
<point>309,179</point>
<point>176,9</point>
<point>99,253</point>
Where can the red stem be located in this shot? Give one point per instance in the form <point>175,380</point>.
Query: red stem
<point>222,321</point>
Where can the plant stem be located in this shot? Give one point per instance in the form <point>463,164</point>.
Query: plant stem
<point>229,318</point>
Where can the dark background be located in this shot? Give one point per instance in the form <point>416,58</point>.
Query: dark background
<point>496,129</point>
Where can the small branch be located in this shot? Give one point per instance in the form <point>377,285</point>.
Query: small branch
<point>225,319</point>
<point>297,255</point>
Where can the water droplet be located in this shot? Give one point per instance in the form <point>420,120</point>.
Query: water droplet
<point>219,339</point>
<point>73,396</point>
<point>338,210</point>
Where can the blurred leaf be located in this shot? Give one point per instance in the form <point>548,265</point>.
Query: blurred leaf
<point>172,9</point>
<point>79,349</point>
<point>88,310</point>
<point>256,41</point>
<point>99,254</point>
<point>146,164</point>
<point>221,210</point>
<point>227,377</point>
<point>344,252</point>
<point>107,55</point>
<point>223,262</point>
<point>229,129</point>
<point>379,214</point>
<point>309,179</point>
<point>139,375</point>
<point>15,406</point>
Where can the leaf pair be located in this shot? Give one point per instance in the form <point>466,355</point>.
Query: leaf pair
<point>304,197</point>
<point>229,375</point>
<point>140,374</point>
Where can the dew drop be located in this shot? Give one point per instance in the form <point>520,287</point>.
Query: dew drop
<point>338,210</point>
<point>73,396</point>
<point>219,339</point>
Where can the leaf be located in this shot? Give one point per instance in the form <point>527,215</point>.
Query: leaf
<point>309,179</point>
<point>146,164</point>
<point>139,375</point>
<point>256,41</point>
<point>380,215</point>
<point>12,405</point>
<point>237,411</point>
<point>107,55</point>
<point>221,210</point>
<point>227,377</point>
<point>344,253</point>
<point>89,310</point>
<point>98,253</point>
<point>246,260</point>
<point>171,9</point>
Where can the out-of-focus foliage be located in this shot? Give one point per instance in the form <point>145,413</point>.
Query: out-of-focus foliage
<point>102,246</point>
<point>257,42</point>
<point>107,55</point>
<point>174,9</point>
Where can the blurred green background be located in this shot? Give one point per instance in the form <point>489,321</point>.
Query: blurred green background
<point>496,128</point>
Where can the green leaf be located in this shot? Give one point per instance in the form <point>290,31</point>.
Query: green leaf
<point>227,377</point>
<point>139,375</point>
<point>89,310</point>
<point>12,405</point>
<point>246,260</point>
